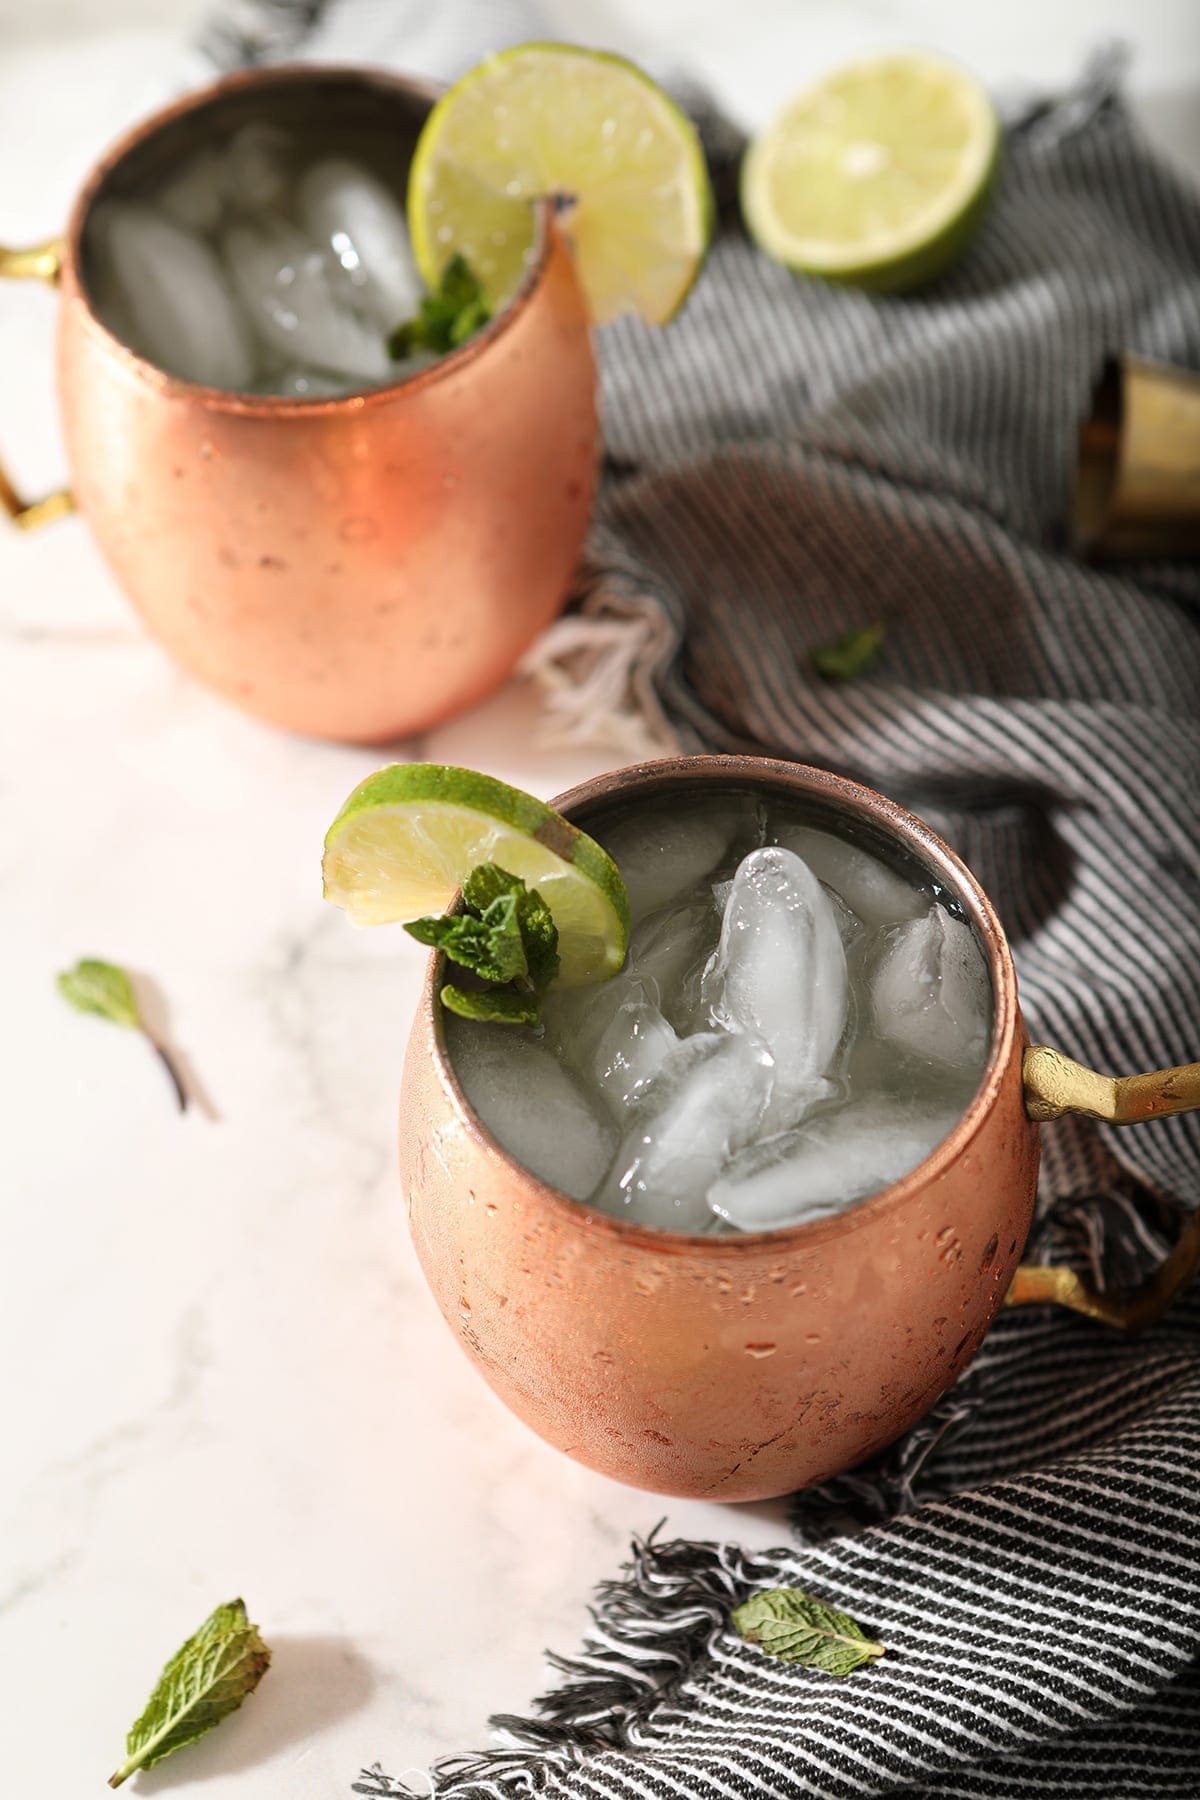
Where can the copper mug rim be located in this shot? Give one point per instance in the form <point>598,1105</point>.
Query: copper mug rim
<point>865,803</point>
<point>230,400</point>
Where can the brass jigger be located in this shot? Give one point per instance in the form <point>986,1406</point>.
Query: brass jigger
<point>1137,489</point>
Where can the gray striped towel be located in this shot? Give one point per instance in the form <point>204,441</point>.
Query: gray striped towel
<point>783,461</point>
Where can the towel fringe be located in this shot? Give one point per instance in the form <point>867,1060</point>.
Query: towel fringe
<point>649,1628</point>
<point>595,668</point>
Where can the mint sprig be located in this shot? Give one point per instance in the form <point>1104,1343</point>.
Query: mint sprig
<point>454,311</point>
<point>205,1680</point>
<point>105,989</point>
<point>850,655</point>
<point>789,1624</point>
<point>505,935</point>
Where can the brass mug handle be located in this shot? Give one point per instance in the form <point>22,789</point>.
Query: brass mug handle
<point>42,262</point>
<point>1054,1085</point>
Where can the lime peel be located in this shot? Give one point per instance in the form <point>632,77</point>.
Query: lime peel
<point>409,835</point>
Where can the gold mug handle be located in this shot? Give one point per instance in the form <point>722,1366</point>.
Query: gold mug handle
<point>42,262</point>
<point>1054,1085</point>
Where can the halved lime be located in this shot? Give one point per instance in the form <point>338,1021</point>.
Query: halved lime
<point>409,835</point>
<point>582,127</point>
<point>878,175</point>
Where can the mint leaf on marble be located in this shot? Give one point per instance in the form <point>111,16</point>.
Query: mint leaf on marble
<point>105,989</point>
<point>506,936</point>
<point>205,1680</point>
<point>454,311</point>
<point>790,1624</point>
<point>850,655</point>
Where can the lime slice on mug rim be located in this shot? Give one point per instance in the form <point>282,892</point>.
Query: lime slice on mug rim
<point>409,835</point>
<point>582,127</point>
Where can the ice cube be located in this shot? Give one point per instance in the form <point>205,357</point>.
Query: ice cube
<point>348,211</point>
<point>779,974</point>
<point>929,989</point>
<point>669,949</point>
<point>706,1100</point>
<point>827,1163</point>
<point>194,196</point>
<point>872,890</point>
<point>532,1105</point>
<point>284,284</point>
<point>632,1049</point>
<point>257,168</point>
<point>165,287</point>
<point>662,856</point>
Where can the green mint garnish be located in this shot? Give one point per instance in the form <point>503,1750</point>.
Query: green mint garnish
<point>790,1624</point>
<point>849,655</point>
<point>106,990</point>
<point>506,936</point>
<point>454,311</point>
<point>201,1685</point>
<point>493,1006</point>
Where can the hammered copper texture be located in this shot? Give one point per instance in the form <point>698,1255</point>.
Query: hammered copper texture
<point>735,1367</point>
<point>356,568</point>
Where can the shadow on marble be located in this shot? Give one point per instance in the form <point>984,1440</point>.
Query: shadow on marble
<point>313,1682</point>
<point>156,1012</point>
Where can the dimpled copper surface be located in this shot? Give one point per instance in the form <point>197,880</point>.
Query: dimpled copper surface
<point>735,1367</point>
<point>360,567</point>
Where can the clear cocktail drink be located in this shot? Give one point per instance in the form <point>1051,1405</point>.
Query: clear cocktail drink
<point>800,1021</point>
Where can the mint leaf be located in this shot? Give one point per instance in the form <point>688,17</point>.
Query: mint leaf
<point>453,312</point>
<point>506,935</point>
<point>103,988</point>
<point>849,655</point>
<point>106,990</point>
<point>485,884</point>
<point>495,1006</point>
<point>491,946</point>
<point>202,1684</point>
<point>540,936</point>
<point>790,1624</point>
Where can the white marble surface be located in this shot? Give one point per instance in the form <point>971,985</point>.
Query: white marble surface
<point>221,1372</point>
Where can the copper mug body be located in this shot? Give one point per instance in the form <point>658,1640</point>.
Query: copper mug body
<point>357,568</point>
<point>743,1366</point>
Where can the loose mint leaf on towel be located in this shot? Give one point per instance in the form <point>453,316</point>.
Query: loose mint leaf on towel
<point>202,1684</point>
<point>790,1624</point>
<point>850,655</point>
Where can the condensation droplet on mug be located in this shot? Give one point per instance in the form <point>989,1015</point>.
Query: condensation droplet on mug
<point>799,1291</point>
<point>602,1356</point>
<point>812,1337</point>
<point>464,1306</point>
<point>761,1350</point>
<point>490,1208</point>
<point>949,1248</point>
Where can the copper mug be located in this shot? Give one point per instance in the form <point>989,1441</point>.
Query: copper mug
<point>738,1367</point>
<point>357,568</point>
